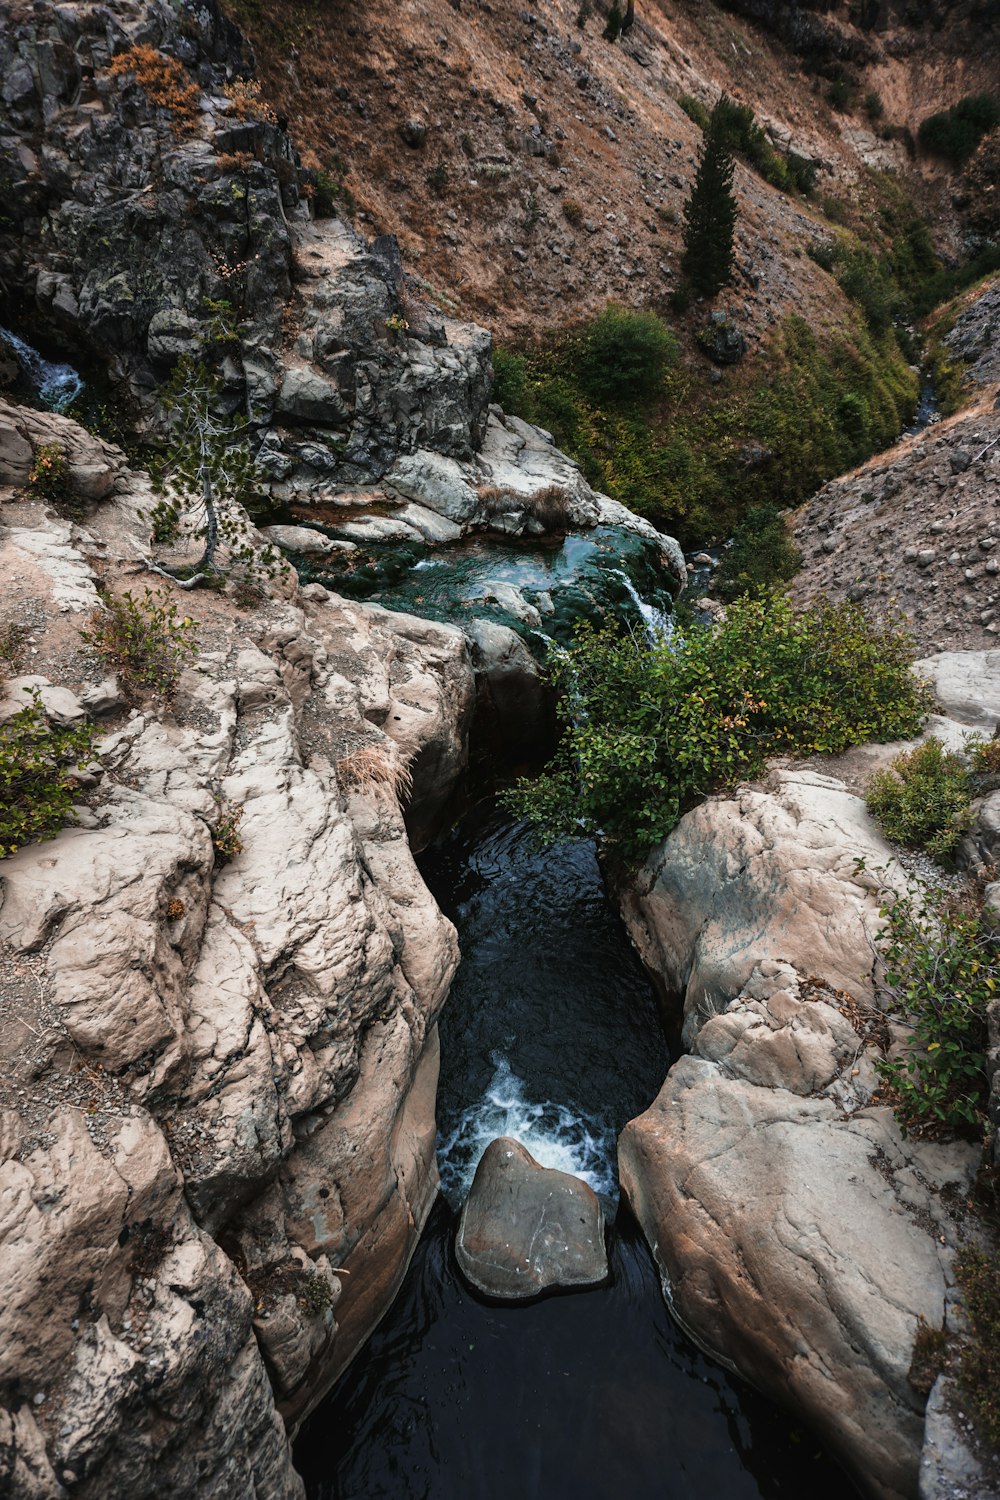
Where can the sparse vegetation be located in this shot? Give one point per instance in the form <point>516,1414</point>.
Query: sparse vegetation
<point>145,641</point>
<point>695,457</point>
<point>978,1274</point>
<point>650,730</point>
<point>923,799</point>
<point>572,212</point>
<point>226,840</point>
<point>164,82</point>
<point>37,787</point>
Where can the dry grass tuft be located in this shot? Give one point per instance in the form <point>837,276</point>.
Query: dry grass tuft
<point>371,768</point>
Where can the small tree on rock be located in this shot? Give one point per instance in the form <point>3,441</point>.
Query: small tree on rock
<point>207,474</point>
<point>710,212</point>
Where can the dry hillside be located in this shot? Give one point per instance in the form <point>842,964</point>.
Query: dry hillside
<point>531,169</point>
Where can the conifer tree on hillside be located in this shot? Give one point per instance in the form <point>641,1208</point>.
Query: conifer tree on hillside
<point>710,213</point>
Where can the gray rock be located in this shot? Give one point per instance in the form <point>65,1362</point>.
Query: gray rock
<point>414,132</point>
<point>306,397</point>
<point>950,1468</point>
<point>966,685</point>
<point>526,1228</point>
<point>305,540</point>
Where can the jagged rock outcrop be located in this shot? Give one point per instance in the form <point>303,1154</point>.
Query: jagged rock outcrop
<point>800,1237</point>
<point>224,1072</point>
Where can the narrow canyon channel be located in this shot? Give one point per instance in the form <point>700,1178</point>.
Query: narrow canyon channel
<point>551,1034</point>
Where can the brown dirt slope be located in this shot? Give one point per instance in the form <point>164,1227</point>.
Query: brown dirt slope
<point>546,170</point>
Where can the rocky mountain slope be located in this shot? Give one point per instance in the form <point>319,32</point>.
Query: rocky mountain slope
<point>464,127</point>
<point>917,528</point>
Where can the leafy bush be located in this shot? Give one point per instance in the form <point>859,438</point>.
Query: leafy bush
<point>36,788</point>
<point>572,212</point>
<point>624,354</point>
<point>978,1275</point>
<point>923,799</point>
<point>984,754</point>
<point>760,556</point>
<point>874,108</point>
<point>48,478</point>
<point>955,133</point>
<point>939,973</point>
<point>144,641</point>
<point>649,730</point>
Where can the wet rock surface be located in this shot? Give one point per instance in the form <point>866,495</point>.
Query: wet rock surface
<point>526,1228</point>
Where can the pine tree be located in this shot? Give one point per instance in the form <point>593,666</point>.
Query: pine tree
<point>710,213</point>
<point>207,474</point>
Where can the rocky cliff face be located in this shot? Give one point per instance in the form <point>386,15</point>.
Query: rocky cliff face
<point>218,1137</point>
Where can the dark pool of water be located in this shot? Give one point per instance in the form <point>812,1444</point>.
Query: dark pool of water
<point>551,1033</point>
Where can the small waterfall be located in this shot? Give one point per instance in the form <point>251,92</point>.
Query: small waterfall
<point>56,385</point>
<point>556,1136</point>
<point>659,623</point>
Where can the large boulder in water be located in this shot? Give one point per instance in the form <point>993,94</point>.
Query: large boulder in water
<point>526,1228</point>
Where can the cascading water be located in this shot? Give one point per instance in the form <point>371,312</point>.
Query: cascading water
<point>56,385</point>
<point>659,623</point>
<point>550,1034</point>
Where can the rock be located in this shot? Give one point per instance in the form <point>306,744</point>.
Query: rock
<point>414,132</point>
<point>515,708</point>
<point>305,540</point>
<point>769,872</point>
<point>966,685</point>
<point>959,460</point>
<point>204,1014</point>
<point>106,698</point>
<point>93,465</point>
<point>526,1228</point>
<point>950,1468</point>
<point>801,1245</point>
<point>438,483</point>
<point>305,396</point>
<point>60,706</point>
<point>172,334</point>
<point>724,343</point>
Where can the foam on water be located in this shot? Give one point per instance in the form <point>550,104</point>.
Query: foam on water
<point>55,384</point>
<point>659,623</point>
<point>556,1136</point>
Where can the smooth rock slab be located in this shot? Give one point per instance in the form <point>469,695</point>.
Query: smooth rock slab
<point>526,1228</point>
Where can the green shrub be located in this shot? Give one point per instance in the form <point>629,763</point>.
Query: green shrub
<point>695,110</point>
<point>923,799</point>
<point>874,108</point>
<point>956,132</point>
<point>36,788</point>
<point>984,754</point>
<point>978,1275</point>
<point>649,730</point>
<point>760,557</point>
<point>572,212</point>
<point>624,354</point>
<point>511,380</point>
<point>144,641</point>
<point>939,974</point>
<point>840,94</point>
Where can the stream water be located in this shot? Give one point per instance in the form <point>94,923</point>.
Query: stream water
<point>551,1034</point>
<point>55,384</point>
